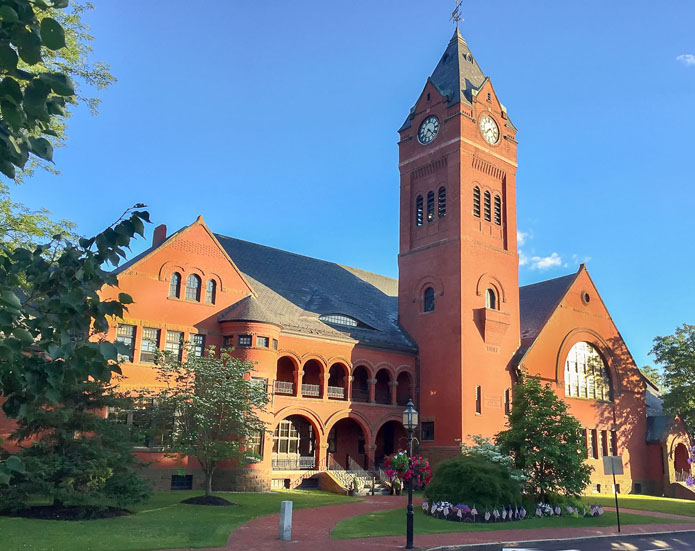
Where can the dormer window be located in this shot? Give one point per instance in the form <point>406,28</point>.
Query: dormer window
<point>339,319</point>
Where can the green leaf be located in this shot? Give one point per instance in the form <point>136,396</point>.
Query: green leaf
<point>41,147</point>
<point>52,34</point>
<point>61,84</point>
<point>10,299</point>
<point>12,114</point>
<point>8,15</point>
<point>23,335</point>
<point>11,90</point>
<point>29,45</point>
<point>7,168</point>
<point>13,463</point>
<point>108,350</point>
<point>60,4</point>
<point>125,298</point>
<point>8,57</point>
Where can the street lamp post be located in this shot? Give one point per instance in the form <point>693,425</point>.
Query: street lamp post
<point>410,422</point>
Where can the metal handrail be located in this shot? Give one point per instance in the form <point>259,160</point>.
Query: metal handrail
<point>313,391</point>
<point>336,392</point>
<point>284,387</point>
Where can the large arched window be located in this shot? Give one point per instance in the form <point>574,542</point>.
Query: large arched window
<point>211,291</point>
<point>487,206</point>
<point>175,285</point>
<point>498,210</point>
<point>586,375</point>
<point>491,299</point>
<point>419,213</point>
<point>430,206</point>
<point>428,300</point>
<point>193,288</point>
<point>476,201</point>
<point>441,202</point>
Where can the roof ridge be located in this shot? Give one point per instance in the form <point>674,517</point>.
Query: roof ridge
<point>547,280</point>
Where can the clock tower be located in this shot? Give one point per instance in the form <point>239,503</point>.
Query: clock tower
<point>458,262</point>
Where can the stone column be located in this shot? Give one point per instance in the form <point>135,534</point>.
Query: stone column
<point>323,455</point>
<point>393,385</point>
<point>299,375</point>
<point>370,451</point>
<point>323,377</point>
<point>372,390</point>
<point>348,388</point>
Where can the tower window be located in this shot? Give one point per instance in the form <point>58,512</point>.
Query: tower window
<point>498,210</point>
<point>430,206</point>
<point>210,291</point>
<point>478,399</point>
<point>419,214</point>
<point>507,401</point>
<point>486,206</point>
<point>428,96</point>
<point>441,202</point>
<point>476,201</point>
<point>429,300</point>
<point>193,288</point>
<point>491,299</point>
<point>489,97</point>
<point>175,285</point>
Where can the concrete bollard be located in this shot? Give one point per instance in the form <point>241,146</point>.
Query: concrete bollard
<point>286,520</point>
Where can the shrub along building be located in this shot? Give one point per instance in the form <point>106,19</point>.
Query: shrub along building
<point>341,350</point>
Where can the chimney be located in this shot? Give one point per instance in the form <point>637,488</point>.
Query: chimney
<point>159,235</point>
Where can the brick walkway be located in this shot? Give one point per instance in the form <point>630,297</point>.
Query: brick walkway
<point>311,530</point>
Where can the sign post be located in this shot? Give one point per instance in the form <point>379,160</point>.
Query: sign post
<point>613,464</point>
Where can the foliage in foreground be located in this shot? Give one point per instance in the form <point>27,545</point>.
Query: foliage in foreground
<point>473,480</point>
<point>55,372</point>
<point>216,406</point>
<point>545,441</point>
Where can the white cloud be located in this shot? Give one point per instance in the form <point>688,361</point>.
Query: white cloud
<point>545,262</point>
<point>521,237</point>
<point>688,59</point>
<point>523,259</point>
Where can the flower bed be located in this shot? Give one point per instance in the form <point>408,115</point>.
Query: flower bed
<point>463,513</point>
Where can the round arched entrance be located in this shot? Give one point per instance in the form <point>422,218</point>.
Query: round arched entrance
<point>294,444</point>
<point>346,445</point>
<point>389,438</point>
<point>680,461</point>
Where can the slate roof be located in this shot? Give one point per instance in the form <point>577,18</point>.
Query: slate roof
<point>657,427</point>
<point>294,290</point>
<point>537,302</point>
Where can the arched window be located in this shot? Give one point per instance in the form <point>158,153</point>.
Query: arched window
<point>486,206</point>
<point>476,201</point>
<point>175,285</point>
<point>430,206</point>
<point>586,375</point>
<point>441,205</point>
<point>429,300</point>
<point>193,288</point>
<point>491,299</point>
<point>419,214</point>
<point>498,210</point>
<point>211,291</point>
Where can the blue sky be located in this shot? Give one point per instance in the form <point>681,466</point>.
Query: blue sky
<point>277,121</point>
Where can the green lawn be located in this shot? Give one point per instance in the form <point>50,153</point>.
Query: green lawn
<point>392,523</point>
<point>646,503</point>
<point>162,522</point>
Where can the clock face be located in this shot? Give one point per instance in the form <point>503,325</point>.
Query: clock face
<point>428,130</point>
<point>489,129</point>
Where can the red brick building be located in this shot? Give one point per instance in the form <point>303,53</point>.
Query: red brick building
<point>341,350</point>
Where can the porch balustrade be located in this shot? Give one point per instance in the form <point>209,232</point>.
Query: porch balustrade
<point>681,476</point>
<point>299,463</point>
<point>312,391</point>
<point>360,395</point>
<point>336,392</point>
<point>284,387</point>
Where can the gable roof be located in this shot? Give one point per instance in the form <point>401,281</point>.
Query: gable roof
<point>537,302</point>
<point>294,290</point>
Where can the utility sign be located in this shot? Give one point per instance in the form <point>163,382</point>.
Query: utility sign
<point>612,464</point>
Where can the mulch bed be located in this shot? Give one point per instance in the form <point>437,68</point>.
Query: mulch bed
<point>208,500</point>
<point>52,512</point>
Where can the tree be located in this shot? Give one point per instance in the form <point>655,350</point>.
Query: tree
<point>545,441</point>
<point>654,375</point>
<point>215,405</point>
<point>676,353</point>
<point>55,369</point>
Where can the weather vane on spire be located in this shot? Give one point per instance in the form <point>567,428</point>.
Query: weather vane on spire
<point>456,16</point>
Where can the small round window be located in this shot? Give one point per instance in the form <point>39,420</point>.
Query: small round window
<point>586,298</point>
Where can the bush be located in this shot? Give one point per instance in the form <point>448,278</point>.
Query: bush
<point>472,479</point>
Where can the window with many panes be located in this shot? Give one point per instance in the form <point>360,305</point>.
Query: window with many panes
<point>150,343</point>
<point>125,334</point>
<point>498,210</point>
<point>263,342</point>
<point>428,300</point>
<point>476,201</point>
<point>430,206</point>
<point>586,375</point>
<point>427,433</point>
<point>254,444</point>
<point>175,285</point>
<point>197,345</point>
<point>193,288</point>
<point>150,430</point>
<point>211,291</point>
<point>245,340</point>
<point>441,202</point>
<point>339,319</point>
<point>275,344</point>
<point>419,213</point>
<point>286,439</point>
<point>174,343</point>
<point>228,342</point>
<point>486,205</point>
